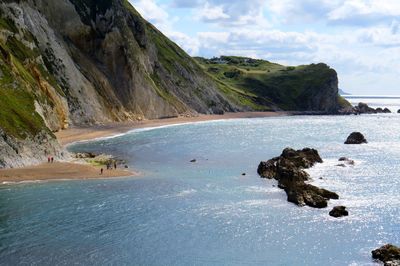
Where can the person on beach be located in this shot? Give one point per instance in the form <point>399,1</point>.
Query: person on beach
<point>101,171</point>
<point>115,165</point>
<point>52,159</point>
<point>48,159</point>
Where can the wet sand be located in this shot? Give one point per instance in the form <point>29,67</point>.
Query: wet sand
<point>59,171</point>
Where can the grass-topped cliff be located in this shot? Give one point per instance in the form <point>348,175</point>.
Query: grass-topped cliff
<point>100,61</point>
<point>269,86</point>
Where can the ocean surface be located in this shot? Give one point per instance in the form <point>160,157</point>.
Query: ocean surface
<point>207,213</point>
<point>391,102</point>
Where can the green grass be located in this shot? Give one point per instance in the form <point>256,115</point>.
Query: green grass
<point>261,82</point>
<point>18,117</point>
<point>17,113</point>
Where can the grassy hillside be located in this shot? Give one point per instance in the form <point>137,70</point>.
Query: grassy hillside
<point>262,84</point>
<point>18,87</point>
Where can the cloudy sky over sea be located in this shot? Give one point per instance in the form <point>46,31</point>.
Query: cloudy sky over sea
<point>359,38</point>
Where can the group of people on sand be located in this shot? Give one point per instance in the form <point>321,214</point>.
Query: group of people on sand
<point>109,167</point>
<point>50,159</point>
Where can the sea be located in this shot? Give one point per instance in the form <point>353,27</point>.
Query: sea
<point>178,212</point>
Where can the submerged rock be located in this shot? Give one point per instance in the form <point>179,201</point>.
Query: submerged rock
<point>389,254</point>
<point>193,161</point>
<point>345,161</point>
<point>338,211</point>
<point>356,138</point>
<point>288,169</point>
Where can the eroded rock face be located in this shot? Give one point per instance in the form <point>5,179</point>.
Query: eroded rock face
<point>288,169</point>
<point>356,138</point>
<point>338,211</point>
<point>29,151</point>
<point>389,254</point>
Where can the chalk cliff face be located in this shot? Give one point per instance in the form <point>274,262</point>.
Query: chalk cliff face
<point>79,62</point>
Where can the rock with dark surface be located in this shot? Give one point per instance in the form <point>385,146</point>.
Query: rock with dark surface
<point>288,169</point>
<point>345,161</point>
<point>389,254</point>
<point>356,138</point>
<point>306,194</point>
<point>398,111</point>
<point>363,108</point>
<point>268,169</point>
<point>338,211</point>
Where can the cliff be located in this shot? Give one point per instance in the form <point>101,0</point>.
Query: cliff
<point>269,86</point>
<point>78,62</point>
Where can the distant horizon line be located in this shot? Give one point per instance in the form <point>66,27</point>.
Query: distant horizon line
<point>372,96</point>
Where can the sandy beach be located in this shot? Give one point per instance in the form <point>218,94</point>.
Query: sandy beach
<point>75,134</point>
<point>59,171</point>
<point>78,170</point>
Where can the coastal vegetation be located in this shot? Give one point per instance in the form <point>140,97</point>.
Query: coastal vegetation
<point>272,86</point>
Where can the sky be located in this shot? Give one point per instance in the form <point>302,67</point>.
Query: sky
<point>360,39</point>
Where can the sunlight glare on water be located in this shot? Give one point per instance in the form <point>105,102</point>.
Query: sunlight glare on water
<point>207,213</point>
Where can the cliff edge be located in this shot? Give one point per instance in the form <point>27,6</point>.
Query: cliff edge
<point>80,62</point>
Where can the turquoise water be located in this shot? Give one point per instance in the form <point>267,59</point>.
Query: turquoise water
<point>207,213</point>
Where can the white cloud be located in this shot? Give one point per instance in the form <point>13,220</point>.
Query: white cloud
<point>360,39</point>
<point>157,15</point>
<point>212,13</point>
<point>152,12</point>
<point>372,9</point>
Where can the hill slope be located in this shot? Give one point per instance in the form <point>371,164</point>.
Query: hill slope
<point>80,62</point>
<point>270,86</point>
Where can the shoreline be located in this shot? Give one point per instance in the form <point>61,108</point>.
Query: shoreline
<point>59,171</point>
<point>90,133</point>
<point>80,170</point>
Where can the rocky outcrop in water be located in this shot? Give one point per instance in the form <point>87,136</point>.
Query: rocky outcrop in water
<point>344,162</point>
<point>389,254</point>
<point>355,138</point>
<point>338,211</point>
<point>363,108</point>
<point>288,170</point>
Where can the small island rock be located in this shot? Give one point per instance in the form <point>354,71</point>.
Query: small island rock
<point>288,170</point>
<point>338,211</point>
<point>389,254</point>
<point>356,138</point>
